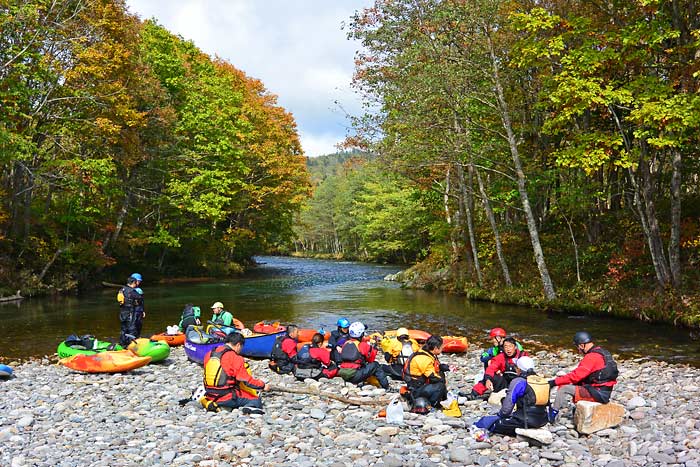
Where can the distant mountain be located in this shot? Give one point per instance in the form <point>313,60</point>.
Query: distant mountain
<point>322,167</point>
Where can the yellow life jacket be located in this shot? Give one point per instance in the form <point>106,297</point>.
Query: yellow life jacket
<point>215,378</point>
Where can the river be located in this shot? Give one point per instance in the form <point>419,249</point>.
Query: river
<point>314,293</point>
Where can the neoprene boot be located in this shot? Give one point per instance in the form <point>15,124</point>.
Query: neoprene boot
<point>470,396</point>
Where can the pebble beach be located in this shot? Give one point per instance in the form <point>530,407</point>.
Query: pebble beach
<point>53,416</point>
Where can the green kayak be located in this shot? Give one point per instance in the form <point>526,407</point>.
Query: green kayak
<point>157,350</point>
<point>86,345</point>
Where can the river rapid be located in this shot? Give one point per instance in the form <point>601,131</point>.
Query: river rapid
<point>314,293</point>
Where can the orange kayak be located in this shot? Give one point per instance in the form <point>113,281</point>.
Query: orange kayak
<point>106,362</point>
<point>172,339</point>
<point>415,334</point>
<point>305,335</point>
<point>454,344</point>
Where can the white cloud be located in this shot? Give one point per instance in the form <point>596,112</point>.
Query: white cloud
<point>296,48</point>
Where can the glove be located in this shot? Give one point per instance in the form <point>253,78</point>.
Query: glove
<point>444,367</point>
<point>551,383</point>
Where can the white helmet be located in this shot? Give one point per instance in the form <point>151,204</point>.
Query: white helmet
<point>525,363</point>
<point>356,330</point>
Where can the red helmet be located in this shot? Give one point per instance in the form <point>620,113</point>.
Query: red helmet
<point>497,332</point>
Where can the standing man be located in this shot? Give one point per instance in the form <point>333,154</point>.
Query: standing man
<point>131,310</point>
<point>592,380</point>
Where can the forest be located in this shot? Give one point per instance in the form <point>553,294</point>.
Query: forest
<point>124,147</point>
<point>540,153</point>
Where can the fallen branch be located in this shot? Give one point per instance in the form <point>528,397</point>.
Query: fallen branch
<point>315,392</point>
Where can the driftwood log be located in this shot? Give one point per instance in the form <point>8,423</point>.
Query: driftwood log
<point>316,392</point>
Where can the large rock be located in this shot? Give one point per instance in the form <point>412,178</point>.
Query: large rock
<point>592,416</point>
<point>496,398</point>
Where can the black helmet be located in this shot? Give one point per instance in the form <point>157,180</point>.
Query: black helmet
<point>582,337</point>
<point>420,405</point>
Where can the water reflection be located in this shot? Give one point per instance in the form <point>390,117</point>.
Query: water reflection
<point>315,293</point>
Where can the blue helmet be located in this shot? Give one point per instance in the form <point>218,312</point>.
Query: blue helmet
<point>343,323</point>
<point>136,276</point>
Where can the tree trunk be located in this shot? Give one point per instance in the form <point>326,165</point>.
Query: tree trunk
<point>448,217</point>
<point>547,284</point>
<point>465,199</point>
<point>653,251</point>
<point>674,252</point>
<point>50,263</point>
<point>494,228</point>
<point>655,240</point>
<point>573,240</point>
<point>118,227</point>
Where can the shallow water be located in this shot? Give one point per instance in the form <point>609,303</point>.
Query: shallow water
<point>314,293</point>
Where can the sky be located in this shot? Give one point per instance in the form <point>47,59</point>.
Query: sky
<point>295,47</point>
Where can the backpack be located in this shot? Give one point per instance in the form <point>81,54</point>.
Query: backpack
<point>301,373</point>
<point>351,352</point>
<point>305,360</point>
<point>540,386</point>
<point>277,354</point>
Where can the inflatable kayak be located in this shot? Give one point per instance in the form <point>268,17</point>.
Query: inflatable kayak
<point>105,362</point>
<point>5,371</point>
<point>85,345</point>
<point>172,340</point>
<point>157,350</point>
<point>454,344</point>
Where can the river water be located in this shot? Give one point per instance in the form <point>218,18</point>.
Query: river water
<point>314,293</point>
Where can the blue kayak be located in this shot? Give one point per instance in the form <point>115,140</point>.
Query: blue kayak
<point>5,371</point>
<point>198,345</point>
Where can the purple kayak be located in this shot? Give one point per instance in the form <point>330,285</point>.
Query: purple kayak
<point>198,345</point>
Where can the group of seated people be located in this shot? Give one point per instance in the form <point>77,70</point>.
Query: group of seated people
<point>350,355</point>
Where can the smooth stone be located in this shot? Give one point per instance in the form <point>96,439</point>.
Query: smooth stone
<point>386,431</point>
<point>553,456</point>
<point>25,421</point>
<point>392,461</point>
<point>461,455</point>
<point>541,435</point>
<point>635,402</point>
<point>662,457</point>
<point>438,440</point>
<point>615,463</point>
<point>168,456</point>
<point>317,414</point>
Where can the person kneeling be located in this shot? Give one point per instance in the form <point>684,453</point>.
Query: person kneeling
<point>227,379</point>
<point>528,394</point>
<point>284,352</point>
<point>425,375</point>
<point>314,360</point>
<point>358,359</point>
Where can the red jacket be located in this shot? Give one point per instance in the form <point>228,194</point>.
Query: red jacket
<point>234,366</point>
<point>500,363</point>
<point>323,355</point>
<point>368,352</point>
<point>590,363</point>
<point>289,346</point>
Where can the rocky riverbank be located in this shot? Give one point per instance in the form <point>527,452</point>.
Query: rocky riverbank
<point>51,416</point>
